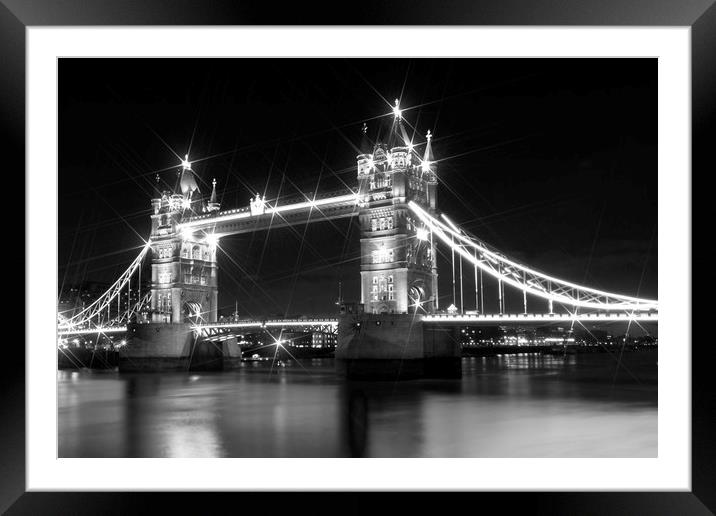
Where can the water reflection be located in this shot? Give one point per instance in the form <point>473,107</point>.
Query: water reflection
<point>357,419</point>
<point>510,406</point>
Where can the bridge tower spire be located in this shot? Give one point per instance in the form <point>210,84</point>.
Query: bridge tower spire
<point>398,270</point>
<point>213,204</point>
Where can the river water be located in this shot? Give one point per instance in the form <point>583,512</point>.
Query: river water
<point>588,405</point>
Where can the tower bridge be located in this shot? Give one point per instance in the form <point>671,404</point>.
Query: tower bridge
<point>395,200</point>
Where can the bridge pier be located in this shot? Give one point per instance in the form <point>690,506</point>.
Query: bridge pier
<point>395,347</point>
<point>169,347</point>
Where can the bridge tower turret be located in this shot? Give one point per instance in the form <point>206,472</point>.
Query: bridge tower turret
<point>398,269</point>
<point>184,282</point>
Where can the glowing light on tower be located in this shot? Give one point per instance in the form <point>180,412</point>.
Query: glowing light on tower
<point>185,163</point>
<point>396,109</point>
<point>212,239</point>
<point>422,234</point>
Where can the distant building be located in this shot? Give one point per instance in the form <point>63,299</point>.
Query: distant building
<point>309,339</point>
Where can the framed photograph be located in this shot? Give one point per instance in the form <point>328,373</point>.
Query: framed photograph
<point>447,253</point>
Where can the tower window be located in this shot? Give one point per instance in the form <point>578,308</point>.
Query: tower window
<point>196,253</point>
<point>382,255</point>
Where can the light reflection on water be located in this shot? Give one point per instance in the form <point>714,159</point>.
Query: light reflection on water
<point>509,406</point>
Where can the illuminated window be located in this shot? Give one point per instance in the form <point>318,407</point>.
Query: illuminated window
<point>375,280</point>
<point>196,253</point>
<point>390,279</point>
<point>373,224</point>
<point>382,255</point>
<point>382,223</point>
<point>390,222</point>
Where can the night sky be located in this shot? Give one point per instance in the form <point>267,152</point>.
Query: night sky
<point>552,161</point>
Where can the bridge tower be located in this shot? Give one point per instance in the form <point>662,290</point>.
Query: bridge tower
<point>398,268</point>
<point>184,283</point>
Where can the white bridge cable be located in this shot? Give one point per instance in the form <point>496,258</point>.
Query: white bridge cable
<point>95,309</point>
<point>525,278</point>
<point>135,309</point>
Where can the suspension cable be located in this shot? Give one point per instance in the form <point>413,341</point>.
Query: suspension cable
<point>532,281</point>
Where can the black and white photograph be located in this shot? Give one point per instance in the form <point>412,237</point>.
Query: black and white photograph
<point>357,257</point>
<point>400,255</point>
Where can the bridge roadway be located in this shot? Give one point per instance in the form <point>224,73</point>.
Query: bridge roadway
<point>92,331</point>
<point>539,318</point>
<point>327,206</point>
<point>437,319</point>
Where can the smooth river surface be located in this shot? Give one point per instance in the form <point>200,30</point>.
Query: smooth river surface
<point>508,406</point>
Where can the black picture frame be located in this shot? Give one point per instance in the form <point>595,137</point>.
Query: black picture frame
<point>700,15</point>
